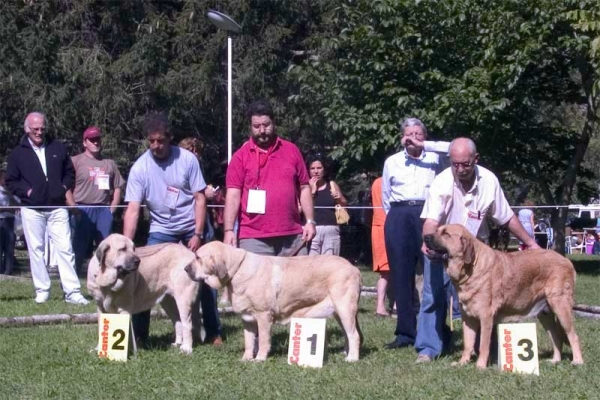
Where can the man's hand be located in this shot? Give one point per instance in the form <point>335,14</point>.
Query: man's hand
<point>308,232</point>
<point>194,243</point>
<point>229,238</point>
<point>29,192</point>
<point>532,246</point>
<point>209,192</point>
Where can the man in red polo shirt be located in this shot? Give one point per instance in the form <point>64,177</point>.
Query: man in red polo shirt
<point>266,178</point>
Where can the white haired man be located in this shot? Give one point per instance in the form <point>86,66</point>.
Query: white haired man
<point>40,173</point>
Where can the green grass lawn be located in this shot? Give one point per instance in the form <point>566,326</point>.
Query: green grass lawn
<point>56,362</point>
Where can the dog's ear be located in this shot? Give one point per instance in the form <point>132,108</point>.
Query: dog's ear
<point>219,267</point>
<point>468,250</point>
<point>101,253</point>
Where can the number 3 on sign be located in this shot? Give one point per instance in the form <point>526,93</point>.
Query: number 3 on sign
<point>517,347</point>
<point>307,342</point>
<point>113,336</point>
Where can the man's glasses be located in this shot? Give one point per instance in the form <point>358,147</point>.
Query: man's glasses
<point>466,164</point>
<point>94,140</point>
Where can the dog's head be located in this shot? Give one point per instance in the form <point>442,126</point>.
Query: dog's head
<point>211,265</point>
<point>117,258</point>
<point>454,245</point>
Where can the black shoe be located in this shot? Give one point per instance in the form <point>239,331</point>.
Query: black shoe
<point>397,345</point>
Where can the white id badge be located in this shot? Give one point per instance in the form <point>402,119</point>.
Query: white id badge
<point>103,181</point>
<point>171,197</point>
<point>473,222</point>
<point>257,200</point>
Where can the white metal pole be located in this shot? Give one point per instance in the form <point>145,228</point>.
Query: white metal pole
<point>229,100</point>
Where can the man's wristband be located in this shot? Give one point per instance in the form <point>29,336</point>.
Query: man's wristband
<point>227,230</point>
<point>199,235</point>
<point>311,221</point>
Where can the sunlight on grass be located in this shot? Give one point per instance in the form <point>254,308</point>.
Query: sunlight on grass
<point>57,362</point>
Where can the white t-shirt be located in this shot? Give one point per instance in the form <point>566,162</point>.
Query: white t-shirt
<point>448,203</point>
<point>167,187</point>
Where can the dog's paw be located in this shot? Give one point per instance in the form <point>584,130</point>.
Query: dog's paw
<point>175,344</point>
<point>351,359</point>
<point>248,357</point>
<point>577,362</point>
<point>185,349</point>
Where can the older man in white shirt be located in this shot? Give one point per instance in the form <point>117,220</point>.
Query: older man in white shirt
<point>407,176</point>
<point>465,194</point>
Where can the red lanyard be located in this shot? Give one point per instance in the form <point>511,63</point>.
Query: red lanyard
<point>265,158</point>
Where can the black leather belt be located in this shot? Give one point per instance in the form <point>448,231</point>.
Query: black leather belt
<point>406,203</point>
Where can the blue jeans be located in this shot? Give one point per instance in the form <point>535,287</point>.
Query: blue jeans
<point>206,295</point>
<point>93,224</point>
<point>432,332</point>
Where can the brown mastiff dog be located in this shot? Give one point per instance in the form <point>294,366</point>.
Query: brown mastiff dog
<point>494,286</point>
<point>274,289</point>
<point>126,280</point>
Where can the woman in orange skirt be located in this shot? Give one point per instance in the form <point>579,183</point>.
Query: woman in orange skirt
<point>380,261</point>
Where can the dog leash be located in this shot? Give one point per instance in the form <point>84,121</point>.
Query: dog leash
<point>296,250</point>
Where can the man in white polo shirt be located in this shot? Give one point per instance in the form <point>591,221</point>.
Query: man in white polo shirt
<point>465,194</point>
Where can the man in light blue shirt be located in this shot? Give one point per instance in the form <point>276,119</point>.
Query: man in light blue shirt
<point>168,180</point>
<point>407,176</point>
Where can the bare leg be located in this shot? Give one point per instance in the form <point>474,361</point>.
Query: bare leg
<point>382,284</point>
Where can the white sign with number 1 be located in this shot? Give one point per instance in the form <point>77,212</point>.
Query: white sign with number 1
<point>518,348</point>
<point>113,336</point>
<point>307,342</point>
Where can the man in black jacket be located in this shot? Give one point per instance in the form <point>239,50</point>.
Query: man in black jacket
<point>40,172</point>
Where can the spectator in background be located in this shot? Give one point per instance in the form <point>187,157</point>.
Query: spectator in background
<point>40,173</point>
<point>95,178</point>
<point>168,180</point>
<point>266,179</point>
<point>7,228</point>
<point>196,147</point>
<point>380,261</point>
<point>326,195</point>
<point>525,216</point>
<point>407,176</point>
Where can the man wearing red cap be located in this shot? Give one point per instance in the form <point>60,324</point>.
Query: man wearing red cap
<point>98,186</point>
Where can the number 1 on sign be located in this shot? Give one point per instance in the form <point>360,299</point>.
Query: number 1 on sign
<point>313,344</point>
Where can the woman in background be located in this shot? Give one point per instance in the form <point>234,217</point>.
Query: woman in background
<point>526,219</point>
<point>325,194</point>
<point>380,261</point>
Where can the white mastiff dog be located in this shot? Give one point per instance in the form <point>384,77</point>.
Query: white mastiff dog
<point>274,289</point>
<point>126,280</point>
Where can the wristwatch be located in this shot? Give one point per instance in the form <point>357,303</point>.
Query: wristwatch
<point>311,221</point>
<point>200,235</point>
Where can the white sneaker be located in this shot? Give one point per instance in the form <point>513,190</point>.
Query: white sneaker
<point>77,298</point>
<point>42,297</point>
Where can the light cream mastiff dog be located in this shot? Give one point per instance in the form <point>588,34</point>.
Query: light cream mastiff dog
<point>494,287</point>
<point>275,289</point>
<point>126,280</point>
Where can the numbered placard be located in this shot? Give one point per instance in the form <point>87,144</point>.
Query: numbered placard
<point>518,348</point>
<point>307,342</point>
<point>113,336</point>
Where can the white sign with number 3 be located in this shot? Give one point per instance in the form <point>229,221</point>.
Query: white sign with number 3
<point>518,348</point>
<point>113,336</point>
<point>307,342</point>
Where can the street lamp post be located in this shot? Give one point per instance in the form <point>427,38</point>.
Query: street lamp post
<point>226,23</point>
